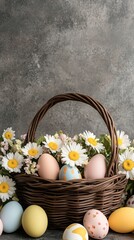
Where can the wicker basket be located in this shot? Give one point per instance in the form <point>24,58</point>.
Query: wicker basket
<point>66,202</point>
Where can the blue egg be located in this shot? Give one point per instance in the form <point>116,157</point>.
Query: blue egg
<point>69,173</point>
<point>11,215</point>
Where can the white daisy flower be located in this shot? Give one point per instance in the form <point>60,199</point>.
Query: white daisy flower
<point>126,164</point>
<point>32,150</point>
<point>52,143</point>
<point>73,154</point>
<point>123,140</point>
<point>8,134</point>
<point>91,140</point>
<point>7,188</point>
<point>12,162</point>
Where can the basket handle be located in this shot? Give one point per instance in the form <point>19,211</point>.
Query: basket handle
<point>112,168</point>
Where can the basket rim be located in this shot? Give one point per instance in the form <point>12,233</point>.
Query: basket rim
<point>69,182</point>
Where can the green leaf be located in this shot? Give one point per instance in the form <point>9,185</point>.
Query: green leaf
<point>40,140</point>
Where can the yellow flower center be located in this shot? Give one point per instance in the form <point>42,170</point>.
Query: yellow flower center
<point>12,163</point>
<point>92,141</point>
<point>128,164</point>
<point>4,187</point>
<point>73,155</point>
<point>32,152</point>
<point>53,145</point>
<point>8,135</point>
<point>120,141</point>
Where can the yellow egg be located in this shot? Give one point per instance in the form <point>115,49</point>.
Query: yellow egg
<point>122,220</point>
<point>34,221</point>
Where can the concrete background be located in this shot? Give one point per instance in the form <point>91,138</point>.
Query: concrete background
<point>49,47</point>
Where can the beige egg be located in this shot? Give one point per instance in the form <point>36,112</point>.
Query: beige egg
<point>96,168</point>
<point>48,167</point>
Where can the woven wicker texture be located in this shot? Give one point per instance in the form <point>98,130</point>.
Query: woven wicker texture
<point>66,202</point>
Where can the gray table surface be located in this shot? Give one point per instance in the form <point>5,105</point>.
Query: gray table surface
<point>57,235</point>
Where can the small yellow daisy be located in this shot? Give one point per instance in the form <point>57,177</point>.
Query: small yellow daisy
<point>123,140</point>
<point>54,144</point>
<point>73,154</point>
<point>32,150</point>
<point>126,164</point>
<point>8,134</point>
<point>7,188</point>
<point>91,140</point>
<point>12,162</point>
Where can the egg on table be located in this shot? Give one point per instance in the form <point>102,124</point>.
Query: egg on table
<point>11,215</point>
<point>96,224</point>
<point>96,167</point>
<point>69,173</point>
<point>1,227</point>
<point>48,167</point>
<point>34,221</point>
<point>75,231</point>
<point>122,220</point>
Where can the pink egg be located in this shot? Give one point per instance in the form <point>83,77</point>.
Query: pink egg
<point>1,227</point>
<point>96,168</point>
<point>48,167</point>
<point>96,224</point>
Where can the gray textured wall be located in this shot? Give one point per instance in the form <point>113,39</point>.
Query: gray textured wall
<point>49,47</point>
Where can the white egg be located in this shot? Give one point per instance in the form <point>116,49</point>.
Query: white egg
<point>1,227</point>
<point>75,231</point>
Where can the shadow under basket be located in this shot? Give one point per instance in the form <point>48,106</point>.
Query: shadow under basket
<point>66,202</point>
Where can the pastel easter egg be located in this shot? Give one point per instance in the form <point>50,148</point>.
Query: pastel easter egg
<point>96,224</point>
<point>1,227</point>
<point>130,202</point>
<point>69,173</point>
<point>11,215</point>
<point>75,231</point>
<point>96,168</point>
<point>122,220</point>
<point>48,167</point>
<point>34,221</point>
